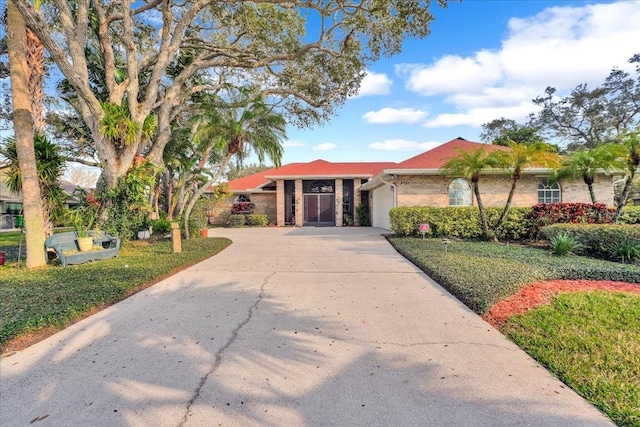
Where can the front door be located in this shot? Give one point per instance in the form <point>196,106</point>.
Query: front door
<point>318,209</point>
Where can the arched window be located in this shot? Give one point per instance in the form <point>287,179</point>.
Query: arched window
<point>548,192</point>
<point>459,193</point>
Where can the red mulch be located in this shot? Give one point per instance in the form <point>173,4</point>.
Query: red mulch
<point>539,293</point>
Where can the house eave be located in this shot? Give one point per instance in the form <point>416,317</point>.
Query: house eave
<point>322,176</point>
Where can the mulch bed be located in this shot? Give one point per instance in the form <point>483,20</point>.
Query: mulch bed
<point>540,293</point>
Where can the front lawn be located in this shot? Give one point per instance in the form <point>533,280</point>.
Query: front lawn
<point>48,299</point>
<point>590,340</point>
<point>482,273</point>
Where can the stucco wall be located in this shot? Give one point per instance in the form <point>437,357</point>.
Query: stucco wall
<point>434,191</point>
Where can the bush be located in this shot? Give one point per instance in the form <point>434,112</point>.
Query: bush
<point>257,220</point>
<point>599,240</point>
<point>461,222</point>
<point>237,220</point>
<point>563,243</point>
<point>627,250</point>
<point>630,215</point>
<point>362,213</point>
<point>242,208</point>
<point>160,226</point>
<point>544,214</point>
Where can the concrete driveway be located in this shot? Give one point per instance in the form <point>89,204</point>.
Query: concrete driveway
<point>287,327</point>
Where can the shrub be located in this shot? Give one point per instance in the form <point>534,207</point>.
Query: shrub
<point>257,220</point>
<point>544,214</point>
<point>362,213</point>
<point>461,222</point>
<point>237,220</point>
<point>563,243</point>
<point>627,250</point>
<point>630,215</point>
<point>160,226</point>
<point>598,240</point>
<point>242,208</point>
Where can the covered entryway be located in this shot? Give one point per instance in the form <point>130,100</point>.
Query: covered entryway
<point>319,203</point>
<point>383,200</point>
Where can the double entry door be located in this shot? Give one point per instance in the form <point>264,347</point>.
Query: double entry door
<point>319,209</point>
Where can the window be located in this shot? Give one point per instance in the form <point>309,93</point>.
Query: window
<point>243,198</point>
<point>459,193</point>
<point>548,192</point>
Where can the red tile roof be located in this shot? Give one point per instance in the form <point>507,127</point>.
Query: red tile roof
<point>437,157</point>
<point>317,168</point>
<point>432,159</point>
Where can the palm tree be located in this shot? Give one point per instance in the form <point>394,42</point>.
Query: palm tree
<point>35,62</point>
<point>587,164</point>
<point>50,165</point>
<point>23,128</point>
<point>236,132</point>
<point>469,165</point>
<point>631,142</point>
<point>521,156</point>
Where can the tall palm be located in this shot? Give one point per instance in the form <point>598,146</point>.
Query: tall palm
<point>237,132</point>
<point>35,62</point>
<point>587,164</point>
<point>631,142</point>
<point>519,157</point>
<point>23,130</point>
<point>469,165</point>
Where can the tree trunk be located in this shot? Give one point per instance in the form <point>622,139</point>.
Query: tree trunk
<point>23,128</point>
<point>483,216</point>
<point>35,62</point>
<point>196,196</point>
<point>592,193</point>
<point>503,215</point>
<point>622,200</point>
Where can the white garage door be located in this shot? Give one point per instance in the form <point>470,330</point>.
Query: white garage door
<point>383,199</point>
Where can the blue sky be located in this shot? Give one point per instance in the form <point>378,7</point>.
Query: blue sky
<point>484,59</point>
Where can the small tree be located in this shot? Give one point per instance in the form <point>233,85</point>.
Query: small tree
<point>469,165</point>
<point>587,164</point>
<point>631,142</point>
<point>519,157</point>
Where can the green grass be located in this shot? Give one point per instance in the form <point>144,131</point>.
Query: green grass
<point>11,238</point>
<point>591,341</point>
<point>31,300</point>
<point>482,273</point>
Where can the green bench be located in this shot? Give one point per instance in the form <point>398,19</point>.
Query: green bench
<point>66,248</point>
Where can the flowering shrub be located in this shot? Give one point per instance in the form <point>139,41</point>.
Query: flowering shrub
<point>544,214</point>
<point>242,208</point>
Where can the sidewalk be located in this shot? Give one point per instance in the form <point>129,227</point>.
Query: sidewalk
<point>287,326</point>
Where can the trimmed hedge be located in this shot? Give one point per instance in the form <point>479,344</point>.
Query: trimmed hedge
<point>598,240</point>
<point>459,221</point>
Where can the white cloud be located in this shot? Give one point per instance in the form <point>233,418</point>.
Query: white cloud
<point>293,143</point>
<point>393,115</point>
<point>560,47</point>
<point>327,146</point>
<point>403,145</point>
<point>452,74</point>
<point>478,116</point>
<point>375,84</point>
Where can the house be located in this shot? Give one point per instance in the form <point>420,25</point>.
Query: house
<point>326,193</point>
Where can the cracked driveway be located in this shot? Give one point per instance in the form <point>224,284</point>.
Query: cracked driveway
<point>287,327</point>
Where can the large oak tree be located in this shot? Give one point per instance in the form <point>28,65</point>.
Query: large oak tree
<point>306,57</point>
